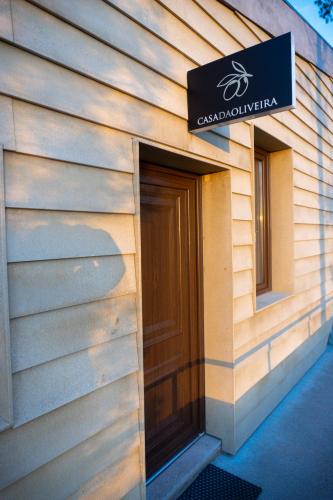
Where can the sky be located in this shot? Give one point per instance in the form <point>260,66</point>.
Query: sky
<point>310,12</point>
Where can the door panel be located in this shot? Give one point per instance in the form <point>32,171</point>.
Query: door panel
<point>169,235</point>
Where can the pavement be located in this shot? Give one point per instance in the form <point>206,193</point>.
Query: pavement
<point>291,454</point>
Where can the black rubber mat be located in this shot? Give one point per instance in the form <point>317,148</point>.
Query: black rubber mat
<point>214,483</point>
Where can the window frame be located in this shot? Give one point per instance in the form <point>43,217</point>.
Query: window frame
<point>266,284</point>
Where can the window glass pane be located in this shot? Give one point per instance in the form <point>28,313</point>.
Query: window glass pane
<point>260,222</point>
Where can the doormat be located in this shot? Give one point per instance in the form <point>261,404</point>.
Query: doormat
<point>214,483</point>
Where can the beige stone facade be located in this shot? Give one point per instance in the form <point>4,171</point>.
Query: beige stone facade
<point>87,88</point>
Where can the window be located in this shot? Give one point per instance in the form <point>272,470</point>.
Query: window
<point>262,221</point>
<point>273,218</point>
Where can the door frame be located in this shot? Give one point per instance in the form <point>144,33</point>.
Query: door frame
<point>164,155</point>
<point>200,295</point>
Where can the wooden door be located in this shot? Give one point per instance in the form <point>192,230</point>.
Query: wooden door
<point>171,311</point>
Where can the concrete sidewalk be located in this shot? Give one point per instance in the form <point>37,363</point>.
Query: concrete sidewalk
<point>291,454</point>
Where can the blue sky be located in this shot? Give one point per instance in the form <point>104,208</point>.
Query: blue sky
<point>309,11</point>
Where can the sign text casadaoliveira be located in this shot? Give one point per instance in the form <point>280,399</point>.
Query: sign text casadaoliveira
<point>256,81</point>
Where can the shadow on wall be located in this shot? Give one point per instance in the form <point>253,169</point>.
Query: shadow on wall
<point>60,89</point>
<point>68,264</point>
<point>213,137</point>
<point>237,422</point>
<point>71,264</point>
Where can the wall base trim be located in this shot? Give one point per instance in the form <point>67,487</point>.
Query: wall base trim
<point>234,423</point>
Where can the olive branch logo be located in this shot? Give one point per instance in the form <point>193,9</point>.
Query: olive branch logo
<point>235,84</point>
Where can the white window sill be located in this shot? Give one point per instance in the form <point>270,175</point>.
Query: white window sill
<point>267,299</point>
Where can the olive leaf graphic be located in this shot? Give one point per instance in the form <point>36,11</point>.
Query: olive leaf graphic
<point>238,66</point>
<point>235,84</point>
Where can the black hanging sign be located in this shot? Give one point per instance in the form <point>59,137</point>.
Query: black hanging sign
<point>254,82</point>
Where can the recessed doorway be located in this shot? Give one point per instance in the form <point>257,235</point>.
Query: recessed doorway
<point>171,305</point>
